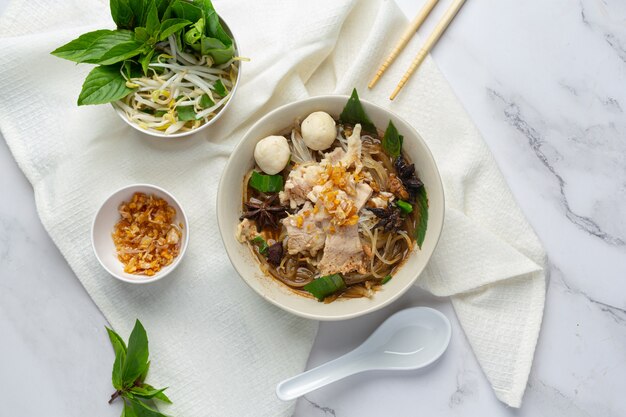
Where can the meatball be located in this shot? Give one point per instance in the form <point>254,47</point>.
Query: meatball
<point>272,154</point>
<point>318,131</point>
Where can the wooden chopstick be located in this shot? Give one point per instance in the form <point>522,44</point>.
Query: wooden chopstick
<point>428,45</point>
<point>406,37</point>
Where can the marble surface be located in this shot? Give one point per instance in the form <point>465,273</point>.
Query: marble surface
<point>545,84</point>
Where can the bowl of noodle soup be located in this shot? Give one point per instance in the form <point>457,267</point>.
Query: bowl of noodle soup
<point>283,243</point>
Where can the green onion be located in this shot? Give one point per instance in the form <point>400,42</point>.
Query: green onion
<point>385,280</point>
<point>261,244</point>
<point>392,141</point>
<point>404,206</point>
<point>325,286</point>
<point>206,102</point>
<point>266,183</point>
<point>219,87</point>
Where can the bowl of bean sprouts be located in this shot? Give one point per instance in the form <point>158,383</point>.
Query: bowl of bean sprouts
<point>183,91</point>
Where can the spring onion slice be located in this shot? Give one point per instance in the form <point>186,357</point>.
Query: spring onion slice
<point>261,244</point>
<point>324,286</point>
<point>266,183</point>
<point>405,206</point>
<point>385,280</point>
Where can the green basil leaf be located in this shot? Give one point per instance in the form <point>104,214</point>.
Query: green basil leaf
<point>392,141</point>
<point>354,113</point>
<point>186,10</point>
<point>194,34</point>
<point>145,60</point>
<point>144,374</point>
<point>324,286</point>
<point>219,87</point>
<point>121,52</point>
<point>141,34</point>
<point>163,6</point>
<point>206,102</point>
<point>148,392</point>
<point>142,409</point>
<point>152,19</point>
<point>215,48</point>
<point>120,356</point>
<point>421,216</point>
<point>131,69</point>
<point>140,9</point>
<point>122,14</point>
<point>186,113</point>
<point>136,356</point>
<point>91,46</point>
<point>170,26</point>
<point>103,84</point>
<point>214,28</point>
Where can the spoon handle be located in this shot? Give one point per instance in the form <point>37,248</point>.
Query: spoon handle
<point>346,365</point>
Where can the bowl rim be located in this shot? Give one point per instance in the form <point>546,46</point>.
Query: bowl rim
<point>135,126</point>
<point>370,309</point>
<point>159,275</point>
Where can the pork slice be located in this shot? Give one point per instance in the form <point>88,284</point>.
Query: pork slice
<point>363,193</point>
<point>299,183</point>
<point>310,236</point>
<point>343,252</point>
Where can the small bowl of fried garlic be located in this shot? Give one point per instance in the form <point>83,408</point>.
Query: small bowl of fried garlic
<point>140,233</point>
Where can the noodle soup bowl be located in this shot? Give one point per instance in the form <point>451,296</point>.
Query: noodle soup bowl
<point>157,134</point>
<point>229,201</point>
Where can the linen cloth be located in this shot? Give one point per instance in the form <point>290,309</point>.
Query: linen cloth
<point>218,345</point>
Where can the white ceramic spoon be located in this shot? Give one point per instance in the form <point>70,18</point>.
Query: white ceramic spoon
<point>410,339</point>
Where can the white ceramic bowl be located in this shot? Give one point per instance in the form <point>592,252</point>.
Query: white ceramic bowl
<point>135,126</point>
<point>105,220</point>
<point>229,199</point>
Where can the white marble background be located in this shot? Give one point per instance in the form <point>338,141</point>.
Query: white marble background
<point>545,81</point>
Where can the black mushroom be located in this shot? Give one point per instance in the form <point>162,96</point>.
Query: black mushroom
<point>406,174</point>
<point>275,253</point>
<point>390,218</point>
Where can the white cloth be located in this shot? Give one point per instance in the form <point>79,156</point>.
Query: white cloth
<point>219,346</point>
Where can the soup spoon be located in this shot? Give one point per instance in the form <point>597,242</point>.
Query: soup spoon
<point>410,339</point>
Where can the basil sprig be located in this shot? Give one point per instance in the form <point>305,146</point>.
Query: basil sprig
<point>141,25</point>
<point>129,373</point>
<point>354,113</point>
<point>392,141</point>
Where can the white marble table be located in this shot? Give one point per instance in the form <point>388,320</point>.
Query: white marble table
<point>545,83</point>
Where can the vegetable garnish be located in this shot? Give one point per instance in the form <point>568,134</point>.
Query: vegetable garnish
<point>354,113</point>
<point>324,286</point>
<point>405,206</point>
<point>266,183</point>
<point>392,141</point>
<point>261,244</point>
<point>421,206</point>
<point>129,373</point>
<point>169,65</point>
<point>386,280</point>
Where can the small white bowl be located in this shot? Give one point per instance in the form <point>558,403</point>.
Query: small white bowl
<point>229,197</point>
<point>105,220</point>
<point>135,126</point>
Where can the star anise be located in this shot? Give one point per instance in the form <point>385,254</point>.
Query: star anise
<point>406,173</point>
<point>266,214</point>
<point>390,218</point>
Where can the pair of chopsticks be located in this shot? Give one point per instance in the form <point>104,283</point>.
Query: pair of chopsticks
<point>428,45</point>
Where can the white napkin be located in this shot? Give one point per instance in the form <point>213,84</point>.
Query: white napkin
<point>218,345</point>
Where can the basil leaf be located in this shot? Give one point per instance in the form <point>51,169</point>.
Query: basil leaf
<point>219,87</point>
<point>91,46</point>
<point>139,10</point>
<point>170,26</point>
<point>152,19</point>
<point>136,356</point>
<point>104,84</point>
<point>186,113</point>
<point>392,141</point>
<point>421,216</point>
<point>141,409</point>
<point>324,286</point>
<point>148,392</point>
<point>121,52</point>
<point>145,60</point>
<point>131,69</point>
<point>144,374</point>
<point>206,102</point>
<point>354,113</point>
<point>122,14</point>
<point>127,411</point>
<point>163,6</point>
<point>120,356</point>
<point>266,183</point>
<point>219,52</point>
<point>213,26</point>
<point>141,34</point>
<point>186,10</point>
